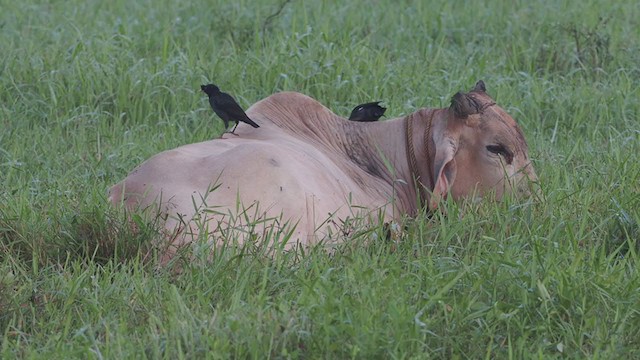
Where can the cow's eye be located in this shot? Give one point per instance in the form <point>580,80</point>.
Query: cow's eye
<point>501,150</point>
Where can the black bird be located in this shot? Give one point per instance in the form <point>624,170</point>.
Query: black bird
<point>226,107</point>
<point>367,112</point>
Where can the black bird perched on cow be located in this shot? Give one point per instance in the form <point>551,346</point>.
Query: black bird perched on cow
<point>226,107</point>
<point>367,112</point>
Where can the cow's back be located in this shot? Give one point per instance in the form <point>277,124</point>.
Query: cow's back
<point>236,183</point>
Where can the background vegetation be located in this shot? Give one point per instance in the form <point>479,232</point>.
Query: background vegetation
<point>89,89</point>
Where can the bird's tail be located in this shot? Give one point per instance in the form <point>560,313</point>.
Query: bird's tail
<point>250,122</point>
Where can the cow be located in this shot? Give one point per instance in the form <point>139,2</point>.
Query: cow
<point>306,172</point>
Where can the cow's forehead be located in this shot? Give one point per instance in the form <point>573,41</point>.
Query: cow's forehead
<point>496,120</point>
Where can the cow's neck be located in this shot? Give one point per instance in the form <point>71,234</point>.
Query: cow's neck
<point>381,150</point>
<point>420,149</point>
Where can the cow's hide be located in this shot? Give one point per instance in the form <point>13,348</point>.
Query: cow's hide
<point>309,175</point>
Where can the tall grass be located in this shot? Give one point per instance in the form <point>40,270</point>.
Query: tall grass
<point>88,90</point>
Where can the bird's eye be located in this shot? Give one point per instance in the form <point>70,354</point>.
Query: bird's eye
<point>501,150</point>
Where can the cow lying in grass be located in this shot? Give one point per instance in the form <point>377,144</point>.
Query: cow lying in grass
<point>305,170</point>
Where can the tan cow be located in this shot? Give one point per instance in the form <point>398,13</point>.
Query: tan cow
<point>306,171</point>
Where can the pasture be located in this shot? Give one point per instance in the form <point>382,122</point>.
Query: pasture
<point>90,89</point>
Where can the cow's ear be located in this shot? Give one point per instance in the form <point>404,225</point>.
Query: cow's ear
<point>463,105</point>
<point>480,87</point>
<point>444,169</point>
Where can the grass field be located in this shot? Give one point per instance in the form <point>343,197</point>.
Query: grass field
<point>90,89</point>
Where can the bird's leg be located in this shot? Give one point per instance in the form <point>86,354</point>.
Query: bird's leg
<point>233,130</point>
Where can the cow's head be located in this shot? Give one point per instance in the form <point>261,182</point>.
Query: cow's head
<point>479,149</point>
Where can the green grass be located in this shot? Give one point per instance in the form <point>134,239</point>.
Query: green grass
<point>89,89</point>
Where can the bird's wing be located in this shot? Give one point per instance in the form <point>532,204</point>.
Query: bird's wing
<point>230,105</point>
<point>233,110</point>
